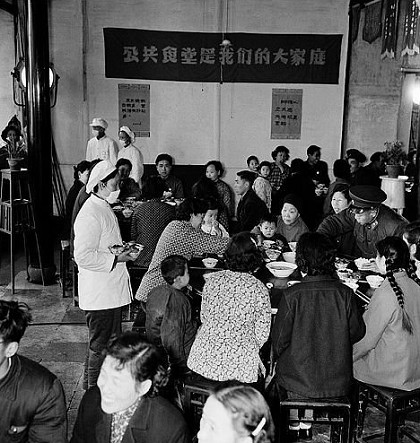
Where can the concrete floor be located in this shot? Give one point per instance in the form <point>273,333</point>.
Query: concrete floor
<point>57,338</point>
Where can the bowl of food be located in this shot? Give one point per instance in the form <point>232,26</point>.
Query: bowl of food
<point>135,249</point>
<point>290,257</point>
<point>127,213</point>
<point>374,281</point>
<point>272,254</point>
<point>281,269</point>
<point>209,262</point>
<point>365,264</point>
<point>267,244</point>
<point>341,264</point>
<point>117,249</point>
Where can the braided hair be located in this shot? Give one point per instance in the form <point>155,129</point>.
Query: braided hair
<point>397,258</point>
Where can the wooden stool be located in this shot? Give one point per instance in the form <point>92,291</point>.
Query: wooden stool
<point>333,412</point>
<point>196,392</point>
<point>396,404</point>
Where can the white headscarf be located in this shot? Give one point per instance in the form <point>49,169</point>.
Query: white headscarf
<point>129,132</point>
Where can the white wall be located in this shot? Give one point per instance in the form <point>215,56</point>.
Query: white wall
<point>193,121</point>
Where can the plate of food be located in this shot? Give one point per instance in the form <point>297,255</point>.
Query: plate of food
<point>366,264</point>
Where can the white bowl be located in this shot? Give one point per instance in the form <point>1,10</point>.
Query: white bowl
<point>268,243</point>
<point>290,257</point>
<point>281,268</point>
<point>209,262</point>
<point>374,280</point>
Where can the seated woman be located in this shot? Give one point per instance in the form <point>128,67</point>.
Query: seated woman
<point>389,353</point>
<point>340,201</point>
<point>81,177</point>
<point>290,224</point>
<point>126,405</point>
<point>236,414</point>
<point>214,172</point>
<point>183,237</point>
<point>235,316</point>
<point>128,186</point>
<point>150,219</point>
<point>411,236</point>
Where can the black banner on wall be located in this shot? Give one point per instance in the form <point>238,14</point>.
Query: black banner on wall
<point>200,57</point>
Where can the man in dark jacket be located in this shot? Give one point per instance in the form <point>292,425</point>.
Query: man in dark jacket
<point>32,404</point>
<point>368,219</point>
<point>316,325</point>
<point>250,207</point>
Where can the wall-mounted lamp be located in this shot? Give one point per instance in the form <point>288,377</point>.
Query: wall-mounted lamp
<point>416,91</point>
<point>19,83</point>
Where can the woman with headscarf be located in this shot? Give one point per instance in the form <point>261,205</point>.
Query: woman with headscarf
<point>131,152</point>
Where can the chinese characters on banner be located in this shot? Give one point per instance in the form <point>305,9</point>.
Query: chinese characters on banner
<point>134,108</point>
<point>200,57</point>
<point>286,113</point>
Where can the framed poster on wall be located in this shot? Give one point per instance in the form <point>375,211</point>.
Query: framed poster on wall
<point>134,108</point>
<point>286,113</point>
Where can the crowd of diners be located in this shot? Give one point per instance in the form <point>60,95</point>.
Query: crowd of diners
<point>321,341</point>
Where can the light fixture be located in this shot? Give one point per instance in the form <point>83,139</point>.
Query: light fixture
<point>19,83</point>
<point>225,41</point>
<point>416,91</point>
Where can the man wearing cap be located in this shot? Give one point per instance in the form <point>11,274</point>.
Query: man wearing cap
<point>368,219</point>
<point>100,145</point>
<point>104,283</point>
<point>131,152</point>
<point>250,207</point>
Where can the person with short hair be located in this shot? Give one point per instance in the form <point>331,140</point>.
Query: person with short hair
<point>169,322</point>
<point>235,316</point>
<point>127,405</point>
<point>315,167</point>
<point>128,186</point>
<point>214,171</point>
<point>290,224</point>
<point>81,176</point>
<point>100,146</point>
<point>311,361</point>
<point>250,207</point>
<point>279,169</point>
<point>341,171</point>
<point>266,230</point>
<point>103,279</point>
<point>389,353</point>
<point>32,403</point>
<point>355,159</point>
<point>174,187</point>
<point>130,152</point>
<point>184,237</point>
<point>236,413</point>
<point>210,224</point>
<point>150,218</point>
<point>253,163</point>
<point>367,218</point>
<point>262,186</point>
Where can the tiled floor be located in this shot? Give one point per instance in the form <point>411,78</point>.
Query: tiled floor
<point>57,339</point>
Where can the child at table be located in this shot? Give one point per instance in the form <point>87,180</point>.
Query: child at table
<point>266,230</point>
<point>210,224</point>
<point>169,321</point>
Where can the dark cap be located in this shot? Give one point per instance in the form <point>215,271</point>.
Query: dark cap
<point>365,196</point>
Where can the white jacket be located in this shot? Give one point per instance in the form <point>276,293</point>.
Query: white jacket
<point>101,284</point>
